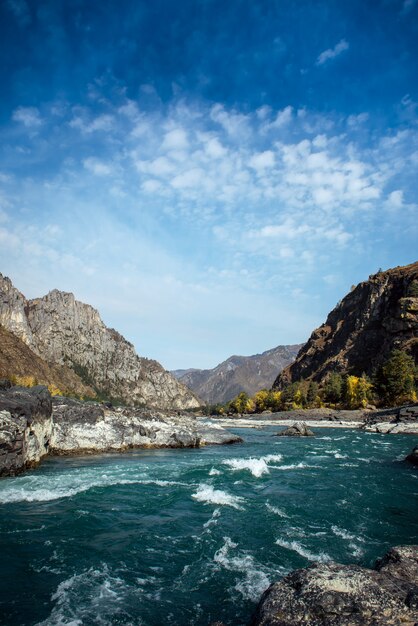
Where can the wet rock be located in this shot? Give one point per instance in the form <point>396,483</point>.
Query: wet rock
<point>298,429</point>
<point>330,594</point>
<point>211,433</point>
<point>413,456</point>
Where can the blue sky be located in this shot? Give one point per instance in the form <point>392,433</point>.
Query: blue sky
<point>212,176</point>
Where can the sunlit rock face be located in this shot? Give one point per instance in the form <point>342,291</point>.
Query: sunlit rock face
<point>376,317</point>
<point>64,331</point>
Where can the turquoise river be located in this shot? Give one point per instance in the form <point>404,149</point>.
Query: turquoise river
<point>187,537</point>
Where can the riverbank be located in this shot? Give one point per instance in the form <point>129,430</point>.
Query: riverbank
<point>397,420</point>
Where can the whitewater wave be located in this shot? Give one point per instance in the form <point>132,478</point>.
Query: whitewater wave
<point>295,546</point>
<point>276,510</point>
<point>254,580</point>
<point>29,489</point>
<point>214,472</point>
<point>207,494</point>
<point>257,467</point>
<point>94,596</point>
<point>292,466</point>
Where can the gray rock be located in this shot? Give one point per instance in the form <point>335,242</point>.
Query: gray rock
<point>413,456</point>
<point>63,331</point>
<point>25,428</point>
<point>330,594</point>
<point>298,429</point>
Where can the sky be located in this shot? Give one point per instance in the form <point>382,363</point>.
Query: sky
<point>212,176</point>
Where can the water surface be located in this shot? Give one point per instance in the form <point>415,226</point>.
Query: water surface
<point>191,536</point>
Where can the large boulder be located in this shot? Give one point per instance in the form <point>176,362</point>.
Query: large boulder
<point>25,428</point>
<point>330,594</point>
<point>298,429</point>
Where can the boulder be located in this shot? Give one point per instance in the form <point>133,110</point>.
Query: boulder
<point>298,429</point>
<point>413,456</point>
<point>25,428</point>
<point>330,594</point>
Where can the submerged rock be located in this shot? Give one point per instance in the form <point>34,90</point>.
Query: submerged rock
<point>413,456</point>
<point>298,429</point>
<point>330,594</point>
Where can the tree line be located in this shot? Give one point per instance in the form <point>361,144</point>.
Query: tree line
<point>395,382</point>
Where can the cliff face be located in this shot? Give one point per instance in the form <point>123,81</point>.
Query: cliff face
<point>238,373</point>
<point>65,332</point>
<point>17,359</point>
<point>379,315</point>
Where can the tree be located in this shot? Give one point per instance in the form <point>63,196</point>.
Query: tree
<point>312,394</point>
<point>333,388</point>
<point>395,380</point>
<point>261,400</point>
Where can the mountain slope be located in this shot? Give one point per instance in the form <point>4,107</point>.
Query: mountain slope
<point>377,316</point>
<point>64,331</point>
<point>238,373</point>
<point>17,359</point>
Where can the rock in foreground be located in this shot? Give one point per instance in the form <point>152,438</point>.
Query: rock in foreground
<point>330,594</point>
<point>298,429</point>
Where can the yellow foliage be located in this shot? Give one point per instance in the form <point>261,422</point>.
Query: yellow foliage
<point>54,391</point>
<point>24,381</point>
<point>260,400</point>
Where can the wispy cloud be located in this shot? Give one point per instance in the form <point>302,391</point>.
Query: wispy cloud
<point>331,53</point>
<point>202,205</point>
<point>28,116</point>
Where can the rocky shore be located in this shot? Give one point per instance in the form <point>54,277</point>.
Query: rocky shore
<point>398,420</point>
<point>32,425</point>
<point>330,594</point>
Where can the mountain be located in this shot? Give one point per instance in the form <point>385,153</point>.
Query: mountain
<point>18,360</point>
<point>65,332</point>
<point>238,373</point>
<point>377,316</point>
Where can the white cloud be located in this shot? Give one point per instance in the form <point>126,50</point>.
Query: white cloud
<point>331,53</point>
<point>262,160</point>
<point>28,116</point>
<point>175,140</point>
<point>97,167</point>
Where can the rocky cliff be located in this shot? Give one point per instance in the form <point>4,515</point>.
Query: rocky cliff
<point>17,360</point>
<point>238,373</point>
<point>66,332</point>
<point>377,316</point>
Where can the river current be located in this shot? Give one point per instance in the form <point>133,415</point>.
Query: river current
<point>186,537</point>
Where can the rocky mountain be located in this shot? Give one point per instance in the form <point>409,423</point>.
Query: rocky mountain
<point>18,360</point>
<point>65,332</point>
<point>238,373</point>
<point>377,316</point>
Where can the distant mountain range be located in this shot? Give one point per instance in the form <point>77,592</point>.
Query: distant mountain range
<point>376,317</point>
<point>61,341</point>
<point>238,373</point>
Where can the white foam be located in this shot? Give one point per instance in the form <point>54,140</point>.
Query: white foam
<point>257,467</point>
<point>341,532</point>
<point>295,466</point>
<point>295,546</point>
<point>214,472</point>
<point>92,596</point>
<point>207,494</point>
<point>66,486</point>
<point>213,520</point>
<point>337,455</point>
<point>276,510</point>
<point>255,580</point>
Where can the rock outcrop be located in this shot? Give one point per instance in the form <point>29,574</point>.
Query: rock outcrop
<point>32,426</point>
<point>66,332</point>
<point>238,373</point>
<point>298,429</point>
<point>88,428</point>
<point>377,316</point>
<point>329,594</point>
<point>25,428</point>
<point>393,421</point>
